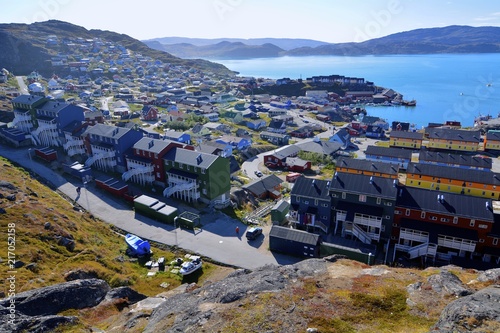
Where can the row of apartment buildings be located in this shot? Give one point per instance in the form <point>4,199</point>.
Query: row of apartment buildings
<point>405,215</point>
<point>177,167</point>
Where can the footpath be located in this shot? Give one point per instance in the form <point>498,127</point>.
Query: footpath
<point>216,239</point>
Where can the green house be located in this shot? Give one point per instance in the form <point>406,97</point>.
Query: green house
<point>279,211</point>
<point>193,176</point>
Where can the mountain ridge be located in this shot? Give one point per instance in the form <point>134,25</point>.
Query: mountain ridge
<point>450,39</point>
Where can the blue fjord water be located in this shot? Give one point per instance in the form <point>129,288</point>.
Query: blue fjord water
<point>455,87</point>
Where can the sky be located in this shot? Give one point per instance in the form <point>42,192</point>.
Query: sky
<point>331,21</point>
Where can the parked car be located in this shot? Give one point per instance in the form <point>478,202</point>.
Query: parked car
<point>253,233</point>
<point>258,173</point>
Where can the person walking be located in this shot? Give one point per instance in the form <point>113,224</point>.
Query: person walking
<point>237,230</point>
<point>78,189</point>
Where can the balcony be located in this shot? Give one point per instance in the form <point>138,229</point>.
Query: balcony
<point>73,146</point>
<point>368,221</point>
<point>425,249</point>
<point>46,134</point>
<point>141,174</point>
<point>104,159</point>
<point>457,243</point>
<point>414,235</point>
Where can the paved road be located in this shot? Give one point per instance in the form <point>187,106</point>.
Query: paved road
<point>22,85</point>
<point>217,239</point>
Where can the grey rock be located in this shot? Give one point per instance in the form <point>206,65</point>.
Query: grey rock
<point>8,185</point>
<point>468,313</point>
<point>51,300</point>
<point>31,266</point>
<point>18,264</point>
<point>36,324</point>
<point>3,211</point>
<point>447,283</point>
<point>490,275</point>
<point>11,197</point>
<point>80,275</point>
<point>47,225</point>
<point>128,293</point>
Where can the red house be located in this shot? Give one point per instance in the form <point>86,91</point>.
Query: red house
<point>149,112</point>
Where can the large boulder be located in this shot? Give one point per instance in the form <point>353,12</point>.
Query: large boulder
<point>479,312</point>
<point>36,324</point>
<point>127,293</point>
<point>51,300</point>
<point>490,275</point>
<point>447,283</point>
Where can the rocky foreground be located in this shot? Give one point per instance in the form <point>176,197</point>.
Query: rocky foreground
<point>293,298</point>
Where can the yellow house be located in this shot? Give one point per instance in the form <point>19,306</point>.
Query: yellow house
<point>492,141</point>
<point>366,167</point>
<point>404,139</point>
<point>453,139</point>
<point>477,183</point>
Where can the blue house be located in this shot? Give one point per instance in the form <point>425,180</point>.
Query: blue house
<point>399,156</point>
<point>235,141</point>
<point>310,204</point>
<point>256,124</point>
<point>375,132</point>
<point>107,146</point>
<point>178,136</point>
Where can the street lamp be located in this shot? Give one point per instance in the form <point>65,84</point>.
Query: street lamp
<point>175,229</point>
<point>87,197</point>
<point>31,160</point>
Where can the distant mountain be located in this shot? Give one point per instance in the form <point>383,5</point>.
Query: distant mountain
<point>451,39</point>
<point>283,43</point>
<point>25,48</point>
<point>221,50</point>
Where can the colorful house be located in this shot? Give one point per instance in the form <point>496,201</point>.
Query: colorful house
<point>181,137</point>
<point>192,176</point>
<point>277,158</point>
<point>368,168</point>
<point>238,143</point>
<point>145,164</point>
<point>456,160</point>
<point>266,187</point>
<point>445,228</point>
<point>275,138</point>
<point>398,156</point>
<point>364,206</point>
<point>405,139</point>
<point>256,124</point>
<point>492,141</point>
<point>310,204</point>
<point>475,183</point>
<point>106,145</point>
<point>149,112</point>
<point>453,139</point>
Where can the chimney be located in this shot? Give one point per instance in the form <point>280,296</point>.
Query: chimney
<point>438,198</point>
<point>336,175</point>
<point>371,180</point>
<point>442,198</point>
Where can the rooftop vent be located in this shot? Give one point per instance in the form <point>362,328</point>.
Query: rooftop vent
<point>371,180</point>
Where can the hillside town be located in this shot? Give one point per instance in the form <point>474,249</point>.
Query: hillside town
<point>329,178</point>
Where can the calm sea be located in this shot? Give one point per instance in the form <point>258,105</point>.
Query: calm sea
<point>446,86</point>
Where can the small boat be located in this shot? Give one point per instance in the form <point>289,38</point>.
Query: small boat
<point>191,266</point>
<point>410,103</point>
<point>137,246</point>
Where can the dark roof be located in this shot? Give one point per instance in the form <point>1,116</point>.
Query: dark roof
<point>454,134</point>
<point>388,152</point>
<point>152,145</point>
<point>295,235</point>
<point>53,106</point>
<point>493,136</point>
<point>453,204</point>
<point>27,99</point>
<point>450,172</point>
<point>320,147</point>
<point>273,135</point>
<point>174,134</point>
<point>407,135</point>
<point>450,158</point>
<point>190,157</point>
<point>107,131</point>
<point>285,152</point>
<point>436,229</point>
<point>295,161</point>
<point>361,184</point>
<point>263,185</point>
<point>366,165</point>
<point>276,124</point>
<point>312,188</point>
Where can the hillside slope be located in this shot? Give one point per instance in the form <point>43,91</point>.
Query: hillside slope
<point>24,47</point>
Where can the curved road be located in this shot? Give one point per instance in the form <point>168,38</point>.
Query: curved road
<point>217,239</point>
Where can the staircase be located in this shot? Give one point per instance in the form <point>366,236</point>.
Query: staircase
<point>74,147</point>
<point>360,234</point>
<point>98,156</point>
<point>425,249</point>
<point>146,171</point>
<point>177,188</point>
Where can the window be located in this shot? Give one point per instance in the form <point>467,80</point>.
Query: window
<point>422,215</point>
<point>407,213</point>
<point>482,226</point>
<point>445,219</point>
<point>388,203</point>
<point>324,204</point>
<point>203,170</point>
<point>481,240</point>
<point>306,202</point>
<point>157,175</point>
<point>472,223</point>
<point>397,212</point>
<point>455,220</point>
<point>362,198</point>
<point>343,195</point>
<point>387,217</point>
<point>495,241</point>
<point>434,218</point>
<point>204,191</point>
<point>379,200</point>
